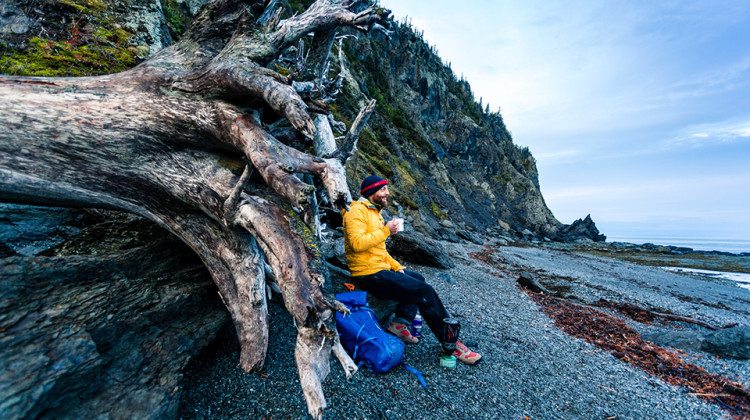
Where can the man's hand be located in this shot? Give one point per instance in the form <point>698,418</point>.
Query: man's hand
<point>401,271</point>
<point>392,225</point>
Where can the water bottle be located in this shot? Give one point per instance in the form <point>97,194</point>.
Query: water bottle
<point>416,326</point>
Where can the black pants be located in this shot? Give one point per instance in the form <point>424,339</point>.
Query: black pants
<point>411,292</point>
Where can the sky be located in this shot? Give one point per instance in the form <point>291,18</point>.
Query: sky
<point>637,112</point>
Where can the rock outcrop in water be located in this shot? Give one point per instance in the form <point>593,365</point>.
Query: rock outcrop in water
<point>581,229</point>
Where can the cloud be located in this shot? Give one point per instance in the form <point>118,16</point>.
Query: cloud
<point>606,192</point>
<point>557,155</point>
<point>678,185</point>
<point>711,134</point>
<point>700,83</point>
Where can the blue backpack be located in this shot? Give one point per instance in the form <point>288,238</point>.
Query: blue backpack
<point>363,338</point>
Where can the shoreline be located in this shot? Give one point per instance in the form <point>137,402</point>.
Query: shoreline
<point>715,266</point>
<point>741,279</point>
<point>699,245</point>
<point>661,255</point>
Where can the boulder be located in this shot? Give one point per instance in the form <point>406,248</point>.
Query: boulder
<point>413,247</point>
<point>500,242</point>
<point>449,235</point>
<point>383,308</point>
<point>469,236</point>
<point>528,281</point>
<point>339,253</point>
<point>447,278</point>
<point>13,20</point>
<point>682,339</point>
<point>447,223</point>
<point>732,342</point>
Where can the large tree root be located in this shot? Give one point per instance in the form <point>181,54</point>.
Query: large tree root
<point>165,140</point>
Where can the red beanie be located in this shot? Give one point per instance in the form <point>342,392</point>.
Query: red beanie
<point>371,185</point>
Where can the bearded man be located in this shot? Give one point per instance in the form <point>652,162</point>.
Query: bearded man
<point>376,272</point>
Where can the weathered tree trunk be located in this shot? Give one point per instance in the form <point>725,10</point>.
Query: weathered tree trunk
<point>82,335</point>
<point>166,139</point>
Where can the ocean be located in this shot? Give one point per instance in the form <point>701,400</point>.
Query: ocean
<point>735,246</point>
<point>742,279</point>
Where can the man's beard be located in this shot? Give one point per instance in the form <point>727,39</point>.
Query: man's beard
<point>381,202</point>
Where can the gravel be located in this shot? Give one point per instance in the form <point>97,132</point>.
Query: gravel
<point>529,367</point>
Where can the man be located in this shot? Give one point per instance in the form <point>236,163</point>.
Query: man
<point>376,272</point>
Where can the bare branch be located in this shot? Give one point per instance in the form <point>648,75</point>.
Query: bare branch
<point>230,205</point>
<point>339,126</point>
<point>271,24</point>
<point>350,141</point>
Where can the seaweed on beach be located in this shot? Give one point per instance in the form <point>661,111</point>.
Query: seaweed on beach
<point>487,255</point>
<point>636,313</point>
<point>613,335</point>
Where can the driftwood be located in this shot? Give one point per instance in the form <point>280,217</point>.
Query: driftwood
<point>684,319</point>
<point>166,140</point>
<point>645,315</point>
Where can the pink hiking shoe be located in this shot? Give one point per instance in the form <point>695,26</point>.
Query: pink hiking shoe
<point>402,332</point>
<point>465,355</point>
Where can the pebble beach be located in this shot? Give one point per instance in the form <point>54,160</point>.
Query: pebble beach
<point>530,366</point>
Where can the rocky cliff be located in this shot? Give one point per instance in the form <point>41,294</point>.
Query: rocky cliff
<point>448,159</point>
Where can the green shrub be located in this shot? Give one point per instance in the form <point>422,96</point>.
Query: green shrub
<point>437,212</point>
<point>408,202</point>
<point>45,57</point>
<point>177,17</point>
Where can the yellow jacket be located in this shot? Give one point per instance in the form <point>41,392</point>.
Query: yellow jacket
<point>364,237</point>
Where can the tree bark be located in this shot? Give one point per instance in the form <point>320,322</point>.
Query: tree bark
<point>165,140</point>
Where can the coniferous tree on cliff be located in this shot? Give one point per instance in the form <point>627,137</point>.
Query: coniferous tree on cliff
<point>201,139</point>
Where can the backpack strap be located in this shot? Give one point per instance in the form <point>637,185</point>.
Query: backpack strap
<point>360,344</point>
<point>416,372</point>
<point>356,347</point>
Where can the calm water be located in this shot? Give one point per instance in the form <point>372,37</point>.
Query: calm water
<point>742,279</point>
<point>735,246</point>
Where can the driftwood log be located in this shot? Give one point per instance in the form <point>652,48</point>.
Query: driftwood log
<point>644,315</point>
<point>170,138</point>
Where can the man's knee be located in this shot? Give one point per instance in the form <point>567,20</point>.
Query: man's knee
<point>414,274</point>
<point>426,291</point>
